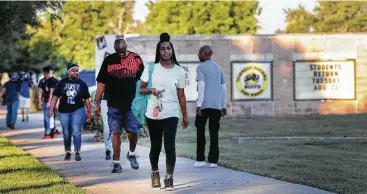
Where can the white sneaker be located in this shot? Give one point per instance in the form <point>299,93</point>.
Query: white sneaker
<point>200,164</point>
<point>212,165</point>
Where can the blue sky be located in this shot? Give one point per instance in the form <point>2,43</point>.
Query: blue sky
<point>271,19</point>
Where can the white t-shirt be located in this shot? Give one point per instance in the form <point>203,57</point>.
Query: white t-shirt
<point>169,80</point>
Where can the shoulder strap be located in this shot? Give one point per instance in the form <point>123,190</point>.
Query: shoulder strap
<point>151,69</point>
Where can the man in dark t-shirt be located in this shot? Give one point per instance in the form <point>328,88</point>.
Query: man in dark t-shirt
<point>119,73</point>
<point>12,89</point>
<point>46,87</point>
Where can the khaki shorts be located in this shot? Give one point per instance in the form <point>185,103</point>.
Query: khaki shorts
<point>24,102</point>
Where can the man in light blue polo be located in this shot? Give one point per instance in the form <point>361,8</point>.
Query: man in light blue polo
<point>211,104</point>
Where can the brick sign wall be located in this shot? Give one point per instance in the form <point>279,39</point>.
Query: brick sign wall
<point>346,92</point>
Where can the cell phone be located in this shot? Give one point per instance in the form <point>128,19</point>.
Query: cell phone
<point>161,91</point>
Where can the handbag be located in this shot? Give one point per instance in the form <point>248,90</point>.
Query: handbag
<point>139,104</point>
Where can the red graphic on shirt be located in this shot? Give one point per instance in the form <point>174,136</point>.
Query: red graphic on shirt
<point>128,67</point>
<point>155,111</point>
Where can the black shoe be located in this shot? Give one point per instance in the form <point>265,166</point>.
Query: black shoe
<point>156,180</point>
<point>168,184</point>
<point>108,155</point>
<point>77,156</point>
<point>133,162</point>
<point>116,168</point>
<point>23,120</point>
<point>67,156</point>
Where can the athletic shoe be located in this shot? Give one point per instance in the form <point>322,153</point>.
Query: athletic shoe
<point>133,162</point>
<point>67,156</point>
<point>77,156</point>
<point>156,180</point>
<point>200,163</point>
<point>116,168</point>
<point>108,155</point>
<point>168,184</point>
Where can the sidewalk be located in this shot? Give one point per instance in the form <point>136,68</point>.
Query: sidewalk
<point>93,172</point>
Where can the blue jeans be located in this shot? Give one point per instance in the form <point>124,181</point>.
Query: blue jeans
<point>106,129</point>
<point>48,122</point>
<point>72,124</point>
<point>12,112</point>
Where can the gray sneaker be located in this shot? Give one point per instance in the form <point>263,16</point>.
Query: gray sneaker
<point>116,168</point>
<point>133,162</point>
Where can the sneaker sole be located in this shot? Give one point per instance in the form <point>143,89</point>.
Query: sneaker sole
<point>170,189</point>
<point>156,188</point>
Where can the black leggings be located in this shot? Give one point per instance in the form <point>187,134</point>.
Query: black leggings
<point>158,128</point>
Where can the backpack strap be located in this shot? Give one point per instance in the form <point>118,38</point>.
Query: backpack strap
<point>151,69</point>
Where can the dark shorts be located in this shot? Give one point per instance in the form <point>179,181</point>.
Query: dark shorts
<point>118,120</point>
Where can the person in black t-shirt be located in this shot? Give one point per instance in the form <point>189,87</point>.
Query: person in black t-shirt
<point>12,92</point>
<point>46,86</point>
<point>119,73</point>
<point>74,95</point>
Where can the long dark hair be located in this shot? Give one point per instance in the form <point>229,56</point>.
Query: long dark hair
<point>164,37</point>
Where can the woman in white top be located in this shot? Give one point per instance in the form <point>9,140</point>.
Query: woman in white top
<point>163,108</point>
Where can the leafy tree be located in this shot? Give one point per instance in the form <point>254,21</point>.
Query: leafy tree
<point>298,20</point>
<point>43,45</point>
<point>14,16</point>
<point>82,21</point>
<point>70,34</point>
<point>202,17</point>
<point>328,16</point>
<point>341,16</point>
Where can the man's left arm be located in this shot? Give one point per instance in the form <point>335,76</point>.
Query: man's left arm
<point>51,86</point>
<point>200,77</point>
<point>224,94</point>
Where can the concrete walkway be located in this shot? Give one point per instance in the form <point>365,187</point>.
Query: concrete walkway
<point>93,172</point>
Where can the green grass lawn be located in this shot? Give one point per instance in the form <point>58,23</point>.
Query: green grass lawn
<point>22,173</point>
<point>334,165</point>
